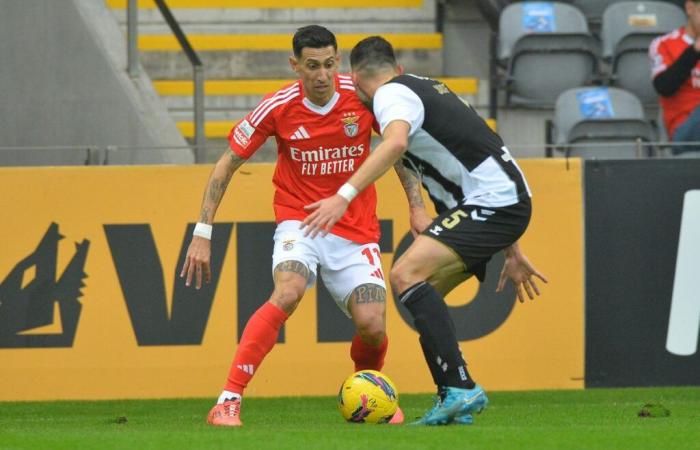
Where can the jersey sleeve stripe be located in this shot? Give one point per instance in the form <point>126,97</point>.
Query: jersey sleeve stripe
<point>273,98</point>
<point>262,110</point>
<point>270,107</point>
<point>277,95</point>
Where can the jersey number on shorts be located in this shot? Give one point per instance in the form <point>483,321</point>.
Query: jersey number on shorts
<point>454,219</point>
<point>378,263</point>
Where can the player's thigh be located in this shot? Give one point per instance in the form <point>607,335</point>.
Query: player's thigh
<point>367,307</point>
<point>354,277</point>
<point>449,277</point>
<point>294,263</point>
<point>423,260</point>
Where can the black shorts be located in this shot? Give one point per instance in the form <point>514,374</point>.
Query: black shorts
<point>476,233</point>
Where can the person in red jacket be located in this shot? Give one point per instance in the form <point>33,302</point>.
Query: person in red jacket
<point>675,59</point>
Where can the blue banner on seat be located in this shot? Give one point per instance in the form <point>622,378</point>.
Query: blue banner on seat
<point>538,17</point>
<point>595,103</point>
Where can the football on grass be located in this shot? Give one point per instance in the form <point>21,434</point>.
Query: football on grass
<point>368,396</point>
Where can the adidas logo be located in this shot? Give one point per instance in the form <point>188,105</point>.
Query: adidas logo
<point>378,273</point>
<point>301,133</point>
<point>247,368</point>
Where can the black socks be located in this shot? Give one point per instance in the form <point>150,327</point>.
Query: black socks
<point>437,336</point>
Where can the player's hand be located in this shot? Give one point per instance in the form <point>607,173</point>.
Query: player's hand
<point>197,262</point>
<point>520,271</point>
<point>326,213</point>
<point>420,220</point>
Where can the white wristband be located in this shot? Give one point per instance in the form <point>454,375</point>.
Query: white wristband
<point>347,191</point>
<point>202,230</point>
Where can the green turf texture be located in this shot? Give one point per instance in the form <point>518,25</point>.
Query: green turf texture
<point>586,419</point>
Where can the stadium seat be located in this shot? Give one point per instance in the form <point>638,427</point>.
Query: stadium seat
<point>547,49</point>
<point>610,120</point>
<point>627,31</point>
<point>593,9</point>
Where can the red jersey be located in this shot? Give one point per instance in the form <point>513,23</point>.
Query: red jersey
<point>318,149</point>
<point>664,51</point>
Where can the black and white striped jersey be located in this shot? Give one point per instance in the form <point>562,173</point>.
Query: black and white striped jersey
<point>458,158</point>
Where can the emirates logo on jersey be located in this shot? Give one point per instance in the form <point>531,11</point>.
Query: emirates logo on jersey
<point>350,124</point>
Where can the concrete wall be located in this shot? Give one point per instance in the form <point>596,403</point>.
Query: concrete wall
<point>63,83</point>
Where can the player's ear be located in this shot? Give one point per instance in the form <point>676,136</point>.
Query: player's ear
<point>400,69</point>
<point>293,63</point>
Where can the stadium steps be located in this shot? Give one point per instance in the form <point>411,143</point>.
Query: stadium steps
<point>244,94</point>
<point>245,47</point>
<point>227,101</point>
<point>232,56</point>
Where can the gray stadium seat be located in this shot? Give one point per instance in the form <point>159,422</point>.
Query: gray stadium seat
<point>547,49</point>
<point>627,31</point>
<point>593,9</point>
<point>602,123</point>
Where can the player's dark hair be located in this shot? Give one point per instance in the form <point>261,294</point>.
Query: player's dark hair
<point>313,36</point>
<point>371,54</point>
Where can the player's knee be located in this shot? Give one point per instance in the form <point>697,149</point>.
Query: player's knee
<point>287,298</point>
<point>372,332</point>
<point>402,277</point>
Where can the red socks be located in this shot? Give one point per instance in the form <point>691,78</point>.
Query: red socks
<point>367,357</point>
<point>259,336</point>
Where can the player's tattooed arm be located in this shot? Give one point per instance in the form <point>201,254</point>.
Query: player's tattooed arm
<point>293,267</point>
<point>411,185</point>
<point>368,293</point>
<point>419,218</point>
<point>218,182</point>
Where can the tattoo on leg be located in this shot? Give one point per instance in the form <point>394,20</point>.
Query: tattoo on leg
<point>293,266</point>
<point>368,293</point>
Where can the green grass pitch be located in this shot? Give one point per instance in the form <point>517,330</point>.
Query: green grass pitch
<point>586,419</point>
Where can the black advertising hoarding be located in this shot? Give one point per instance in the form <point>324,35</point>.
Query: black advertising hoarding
<point>642,297</point>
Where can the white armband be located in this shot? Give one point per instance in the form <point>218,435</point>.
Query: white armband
<point>202,230</point>
<point>347,191</point>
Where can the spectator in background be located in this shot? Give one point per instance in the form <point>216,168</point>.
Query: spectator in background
<point>675,59</point>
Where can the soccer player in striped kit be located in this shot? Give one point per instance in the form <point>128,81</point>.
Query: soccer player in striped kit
<point>479,192</point>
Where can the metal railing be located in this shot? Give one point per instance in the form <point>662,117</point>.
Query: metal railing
<point>96,155</point>
<point>84,154</point>
<point>195,62</point>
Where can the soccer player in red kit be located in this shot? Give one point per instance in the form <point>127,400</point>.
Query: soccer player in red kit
<point>323,134</point>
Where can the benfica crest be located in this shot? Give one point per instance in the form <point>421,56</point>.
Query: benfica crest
<point>350,124</point>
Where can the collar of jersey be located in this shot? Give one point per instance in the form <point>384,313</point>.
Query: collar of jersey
<point>322,110</point>
<point>686,38</point>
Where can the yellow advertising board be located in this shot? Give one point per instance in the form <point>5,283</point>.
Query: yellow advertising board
<point>91,306</point>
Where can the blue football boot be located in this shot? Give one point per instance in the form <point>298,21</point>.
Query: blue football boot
<point>456,407</point>
<point>466,419</point>
<point>435,416</point>
<point>465,401</point>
